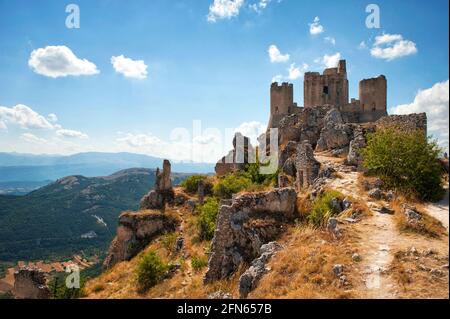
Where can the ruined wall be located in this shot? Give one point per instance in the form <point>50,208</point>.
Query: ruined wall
<point>329,88</point>
<point>373,99</point>
<point>30,283</point>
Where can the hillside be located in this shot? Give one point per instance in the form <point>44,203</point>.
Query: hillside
<point>50,221</point>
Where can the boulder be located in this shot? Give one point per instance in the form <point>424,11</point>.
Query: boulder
<point>242,227</point>
<point>335,134</point>
<point>134,232</point>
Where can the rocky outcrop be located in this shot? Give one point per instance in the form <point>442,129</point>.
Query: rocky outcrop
<point>335,134</point>
<point>250,221</point>
<point>250,278</point>
<point>307,167</point>
<point>134,232</point>
<point>358,142</point>
<point>30,283</point>
<point>241,154</point>
<point>163,192</point>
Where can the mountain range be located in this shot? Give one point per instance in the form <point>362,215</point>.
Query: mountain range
<point>71,214</point>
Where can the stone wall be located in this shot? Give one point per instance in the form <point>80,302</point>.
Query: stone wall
<point>281,102</point>
<point>30,283</point>
<point>414,121</point>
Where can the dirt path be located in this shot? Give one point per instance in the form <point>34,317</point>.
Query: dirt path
<point>377,238</point>
<point>439,210</point>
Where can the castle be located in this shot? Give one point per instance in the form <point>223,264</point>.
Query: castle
<point>331,88</point>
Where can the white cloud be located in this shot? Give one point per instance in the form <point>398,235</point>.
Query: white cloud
<point>276,56</point>
<point>316,27</point>
<point>52,118</point>
<point>259,6</point>
<point>224,9</point>
<point>23,116</point>
<point>252,130</point>
<point>329,61</point>
<point>295,72</point>
<point>392,46</point>
<point>206,139</point>
<point>140,140</point>
<point>362,45</point>
<point>71,134</point>
<point>59,61</point>
<point>32,138</point>
<point>435,102</point>
<point>129,68</point>
<point>330,40</point>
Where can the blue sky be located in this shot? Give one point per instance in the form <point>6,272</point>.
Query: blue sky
<point>217,69</point>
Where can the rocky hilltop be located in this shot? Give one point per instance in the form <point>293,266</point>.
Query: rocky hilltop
<point>319,227</point>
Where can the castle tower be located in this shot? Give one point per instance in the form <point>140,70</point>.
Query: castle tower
<point>281,102</point>
<point>373,98</point>
<point>331,87</point>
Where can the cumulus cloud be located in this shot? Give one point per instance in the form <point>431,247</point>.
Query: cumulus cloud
<point>71,134</point>
<point>59,61</point>
<point>224,9</point>
<point>392,46</point>
<point>329,61</point>
<point>330,40</point>
<point>23,116</point>
<point>276,56</point>
<point>32,138</point>
<point>296,71</point>
<point>315,27</point>
<point>52,118</point>
<point>435,102</point>
<point>129,68</point>
<point>259,6</point>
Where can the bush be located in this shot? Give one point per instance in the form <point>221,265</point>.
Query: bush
<point>168,241</point>
<point>150,271</point>
<point>231,184</point>
<point>199,263</point>
<point>252,172</point>
<point>322,208</point>
<point>206,222</point>
<point>190,184</point>
<point>405,161</point>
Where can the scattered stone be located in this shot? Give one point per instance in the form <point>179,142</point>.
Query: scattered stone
<point>437,272</point>
<point>376,194</point>
<point>338,270</point>
<point>333,227</point>
<point>179,244</point>
<point>423,267</point>
<point>336,205</point>
<point>346,203</point>
<point>411,213</point>
<point>384,210</point>
<point>356,257</point>
<point>220,295</point>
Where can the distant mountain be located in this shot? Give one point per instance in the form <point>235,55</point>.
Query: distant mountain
<point>29,167</point>
<point>61,218</point>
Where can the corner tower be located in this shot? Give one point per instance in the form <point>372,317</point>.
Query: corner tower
<point>281,102</point>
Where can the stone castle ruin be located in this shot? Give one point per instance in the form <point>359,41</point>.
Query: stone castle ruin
<point>331,89</point>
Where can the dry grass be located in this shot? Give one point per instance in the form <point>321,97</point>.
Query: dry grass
<point>303,269</point>
<point>304,205</point>
<point>427,225</point>
<point>420,275</point>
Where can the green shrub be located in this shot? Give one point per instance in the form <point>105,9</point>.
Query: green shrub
<point>206,223</point>
<point>405,161</point>
<point>253,172</point>
<point>190,184</point>
<point>231,184</point>
<point>169,240</point>
<point>150,271</point>
<point>322,209</point>
<point>199,262</point>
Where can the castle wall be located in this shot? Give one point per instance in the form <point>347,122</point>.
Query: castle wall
<point>373,98</point>
<point>281,102</point>
<point>329,88</point>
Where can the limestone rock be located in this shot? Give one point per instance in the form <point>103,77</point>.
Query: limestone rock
<point>134,232</point>
<point>163,192</point>
<point>306,165</point>
<point>244,226</point>
<point>249,279</point>
<point>335,134</point>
